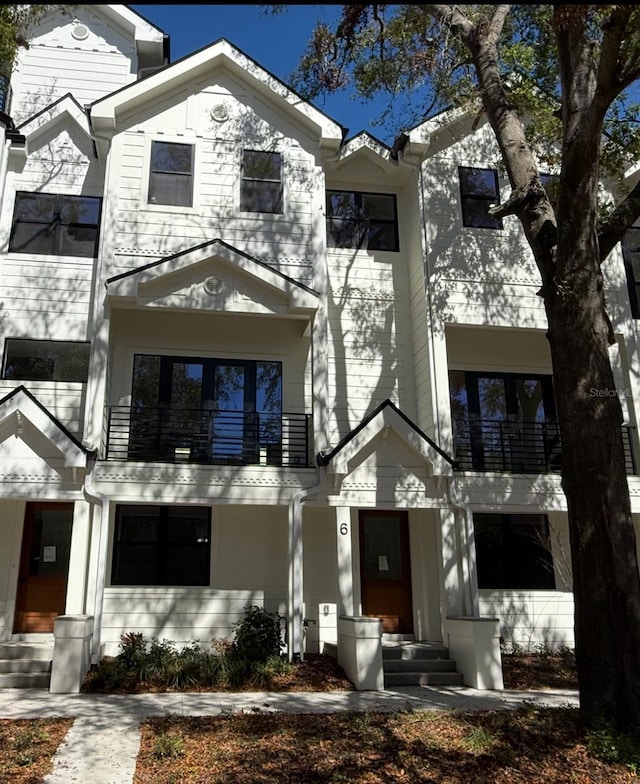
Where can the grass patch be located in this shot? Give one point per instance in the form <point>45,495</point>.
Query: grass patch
<point>532,745</point>
<point>27,747</point>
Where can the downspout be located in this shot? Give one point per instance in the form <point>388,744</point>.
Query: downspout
<point>93,496</point>
<point>296,596</point>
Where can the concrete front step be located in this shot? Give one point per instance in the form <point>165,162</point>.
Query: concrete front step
<point>414,650</point>
<point>25,665</point>
<point>26,650</point>
<point>419,665</point>
<point>25,680</point>
<point>422,679</point>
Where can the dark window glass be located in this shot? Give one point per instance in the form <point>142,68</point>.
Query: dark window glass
<point>504,422</point>
<point>208,410</point>
<point>55,224</point>
<point>478,192</point>
<point>161,545</point>
<point>362,220</point>
<point>513,551</point>
<point>45,360</point>
<point>171,176</point>
<point>631,255</point>
<point>261,182</point>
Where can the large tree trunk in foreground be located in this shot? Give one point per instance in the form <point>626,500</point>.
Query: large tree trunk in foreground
<point>606,582</point>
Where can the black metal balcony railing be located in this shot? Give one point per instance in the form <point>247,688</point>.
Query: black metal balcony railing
<point>207,437</point>
<point>517,447</point>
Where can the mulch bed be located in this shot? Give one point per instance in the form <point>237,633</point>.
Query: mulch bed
<point>524,746</point>
<point>533,671</point>
<point>27,747</point>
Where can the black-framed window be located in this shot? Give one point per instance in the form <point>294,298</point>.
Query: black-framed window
<point>513,551</point>
<point>161,545</point>
<point>45,360</point>
<point>261,188</point>
<point>362,220</point>
<point>217,410</point>
<point>504,421</point>
<point>631,255</point>
<point>55,224</point>
<point>479,190</point>
<point>171,174</point>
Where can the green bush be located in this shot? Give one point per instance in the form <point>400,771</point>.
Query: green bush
<point>607,744</point>
<point>252,657</point>
<point>257,635</point>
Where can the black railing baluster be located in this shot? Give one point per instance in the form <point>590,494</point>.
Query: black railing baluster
<point>533,448</point>
<point>203,437</point>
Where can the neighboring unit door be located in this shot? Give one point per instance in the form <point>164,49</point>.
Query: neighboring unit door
<point>44,566</point>
<point>385,569</point>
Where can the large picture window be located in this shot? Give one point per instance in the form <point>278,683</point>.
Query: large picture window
<point>478,192</point>
<point>206,410</point>
<point>171,175</point>
<point>161,545</point>
<point>504,422</point>
<point>513,551</point>
<point>45,360</point>
<point>261,189</point>
<point>362,220</point>
<point>56,225</point>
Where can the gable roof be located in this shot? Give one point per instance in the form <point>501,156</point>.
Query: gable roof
<point>386,415</point>
<point>300,299</point>
<point>104,112</point>
<point>63,106</point>
<point>21,405</point>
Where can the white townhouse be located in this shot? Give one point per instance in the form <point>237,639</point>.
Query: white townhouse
<point>249,360</point>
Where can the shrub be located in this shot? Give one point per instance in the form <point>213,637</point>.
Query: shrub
<point>257,635</point>
<point>607,744</point>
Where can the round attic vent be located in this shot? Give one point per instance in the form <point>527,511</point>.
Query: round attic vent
<point>80,32</point>
<point>213,285</point>
<point>220,113</point>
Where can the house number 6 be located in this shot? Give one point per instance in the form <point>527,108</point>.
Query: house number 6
<point>344,530</point>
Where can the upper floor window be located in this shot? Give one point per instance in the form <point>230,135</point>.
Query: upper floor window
<point>513,551</point>
<point>171,174</point>
<point>504,422</point>
<point>222,410</point>
<point>478,192</point>
<point>362,220</point>
<point>261,189</point>
<point>631,254</point>
<point>45,360</point>
<point>55,224</point>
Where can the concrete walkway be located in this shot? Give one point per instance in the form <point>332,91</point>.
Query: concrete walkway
<point>103,743</point>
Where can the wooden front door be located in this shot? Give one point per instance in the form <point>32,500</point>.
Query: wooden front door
<point>385,569</point>
<point>44,566</point>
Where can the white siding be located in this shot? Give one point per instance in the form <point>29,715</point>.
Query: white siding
<point>56,63</point>
<point>180,615</point>
<point>531,618</point>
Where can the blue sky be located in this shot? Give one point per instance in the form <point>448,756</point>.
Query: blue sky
<point>275,41</point>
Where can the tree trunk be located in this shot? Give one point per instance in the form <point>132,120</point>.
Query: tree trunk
<point>606,582</point>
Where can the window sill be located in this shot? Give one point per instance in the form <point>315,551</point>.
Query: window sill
<point>13,255</point>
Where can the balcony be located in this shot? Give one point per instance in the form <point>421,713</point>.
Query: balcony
<point>517,447</point>
<point>207,437</point>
